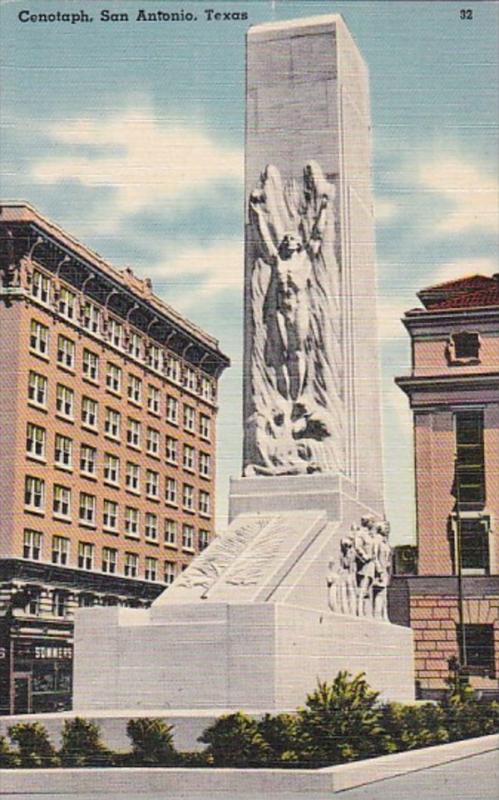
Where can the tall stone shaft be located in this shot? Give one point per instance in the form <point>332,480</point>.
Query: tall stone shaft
<point>308,155</point>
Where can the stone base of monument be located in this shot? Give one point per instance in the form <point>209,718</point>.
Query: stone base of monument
<point>225,656</point>
<point>246,626</point>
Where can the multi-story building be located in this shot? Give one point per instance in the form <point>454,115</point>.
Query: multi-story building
<point>452,602</point>
<point>107,465</point>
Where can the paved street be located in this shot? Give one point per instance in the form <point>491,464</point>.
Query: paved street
<point>474,778</point>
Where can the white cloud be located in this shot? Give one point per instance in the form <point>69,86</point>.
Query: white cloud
<point>385,211</point>
<point>199,274</point>
<point>145,161</point>
<point>473,193</point>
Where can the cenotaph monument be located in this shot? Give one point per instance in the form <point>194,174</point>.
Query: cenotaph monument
<point>296,588</point>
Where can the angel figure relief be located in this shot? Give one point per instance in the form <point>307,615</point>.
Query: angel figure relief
<point>295,422</point>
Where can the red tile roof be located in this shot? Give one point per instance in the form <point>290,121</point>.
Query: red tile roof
<point>474,291</point>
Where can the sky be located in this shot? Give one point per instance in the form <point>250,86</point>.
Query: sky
<point>130,136</point>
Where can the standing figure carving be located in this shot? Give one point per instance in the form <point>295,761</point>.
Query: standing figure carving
<point>293,412</point>
<point>365,556</point>
<point>383,569</point>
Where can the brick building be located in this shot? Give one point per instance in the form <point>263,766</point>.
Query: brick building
<point>107,465</point>
<point>452,602</point>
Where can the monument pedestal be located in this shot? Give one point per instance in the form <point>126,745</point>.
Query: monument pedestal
<point>247,625</point>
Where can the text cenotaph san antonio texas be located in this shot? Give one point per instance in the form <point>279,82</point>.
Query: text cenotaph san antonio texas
<point>295,589</point>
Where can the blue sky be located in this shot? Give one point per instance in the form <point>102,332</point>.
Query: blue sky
<point>130,136</point>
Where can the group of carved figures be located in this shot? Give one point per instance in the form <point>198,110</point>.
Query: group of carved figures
<point>358,581</point>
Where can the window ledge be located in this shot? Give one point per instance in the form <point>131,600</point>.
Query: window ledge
<point>171,546</point>
<point>39,406</point>
<point>88,379</point>
<point>37,354</point>
<point>65,368</point>
<point>91,428</point>
<point>61,517</point>
<point>171,503</point>
<point>34,457</point>
<point>65,417</point>
<point>86,524</point>
<point>89,475</point>
<point>40,512</point>
<point>63,467</point>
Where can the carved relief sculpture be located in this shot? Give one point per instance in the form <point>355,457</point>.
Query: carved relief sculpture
<point>293,419</point>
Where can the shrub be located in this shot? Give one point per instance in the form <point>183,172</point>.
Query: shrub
<point>280,733</point>
<point>234,740</point>
<point>82,745</point>
<point>340,722</point>
<point>7,756</point>
<point>152,742</point>
<point>410,727</point>
<point>35,747</point>
<point>468,718</point>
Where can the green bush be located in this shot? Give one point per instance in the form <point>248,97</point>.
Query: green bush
<point>7,756</point>
<point>340,722</point>
<point>470,717</point>
<point>280,733</point>
<point>152,742</point>
<point>82,745</point>
<point>410,727</point>
<point>34,745</point>
<point>234,740</point>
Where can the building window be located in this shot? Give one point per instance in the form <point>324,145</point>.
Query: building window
<point>67,302</point>
<point>59,603</point>
<point>169,572</point>
<point>64,401</point>
<point>135,346</point>
<point>115,332</point>
<point>34,493</point>
<point>63,451</point>
<point>464,347</point>
<point>153,395</point>
<point>155,358</point>
<point>86,552</point>
<point>151,569</point>
<point>35,441</point>
<point>60,550</point>
<point>109,560</point>
<point>189,458</point>
<point>151,527</point>
<point>112,423</point>
<point>477,649</point>
<point>61,503</point>
<point>134,389</point>
<point>65,352</point>
<point>111,469</point>
<point>171,491</point>
<point>474,546</point>
<point>131,521</point>
<point>86,600</point>
<point>113,378</point>
<point>171,409</point>
<point>170,532</point>
<point>207,389</point>
<point>133,433</point>
<point>92,318</point>
<point>88,459</point>
<point>39,338</point>
<point>87,508</point>
<point>172,369</point>
<point>204,465</point>
<point>152,441</point>
<point>37,389</point>
<point>110,515</point>
<point>190,379</point>
<point>89,411</point>
<point>470,461</point>
<point>204,426</point>
<point>91,365</point>
<point>204,539</point>
<point>171,450</point>
<point>132,479</point>
<point>188,497</point>
<point>152,484</point>
<point>131,565</point>
<point>187,537</point>
<point>32,547</point>
<point>189,419</point>
<point>204,503</point>
<point>40,287</point>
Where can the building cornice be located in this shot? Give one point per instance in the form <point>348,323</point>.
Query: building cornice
<point>30,238</point>
<point>476,382</point>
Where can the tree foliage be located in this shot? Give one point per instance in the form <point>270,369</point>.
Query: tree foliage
<point>34,746</point>
<point>234,740</point>
<point>152,742</point>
